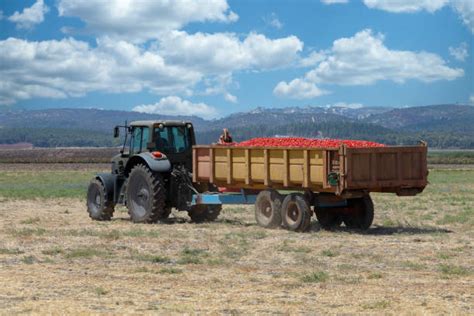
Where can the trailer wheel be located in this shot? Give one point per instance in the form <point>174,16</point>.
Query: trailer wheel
<point>99,207</point>
<point>296,213</point>
<point>361,213</point>
<point>268,209</point>
<point>327,218</point>
<point>204,213</point>
<point>146,195</point>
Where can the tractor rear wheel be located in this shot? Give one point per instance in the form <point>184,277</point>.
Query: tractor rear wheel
<point>99,207</point>
<point>268,209</point>
<point>296,213</point>
<point>204,213</point>
<point>361,213</point>
<point>146,195</point>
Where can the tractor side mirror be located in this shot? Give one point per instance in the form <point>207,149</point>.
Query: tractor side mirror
<point>116,131</point>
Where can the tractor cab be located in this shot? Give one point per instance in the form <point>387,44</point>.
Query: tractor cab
<point>171,140</point>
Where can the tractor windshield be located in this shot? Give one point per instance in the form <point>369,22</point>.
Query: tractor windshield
<point>172,139</point>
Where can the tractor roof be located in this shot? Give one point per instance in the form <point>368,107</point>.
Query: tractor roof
<point>165,122</point>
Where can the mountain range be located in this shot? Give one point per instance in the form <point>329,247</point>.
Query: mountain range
<point>443,126</point>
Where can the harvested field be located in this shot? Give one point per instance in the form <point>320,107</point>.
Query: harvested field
<point>58,155</point>
<point>417,258</point>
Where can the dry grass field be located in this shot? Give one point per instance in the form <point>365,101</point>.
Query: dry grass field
<point>418,257</point>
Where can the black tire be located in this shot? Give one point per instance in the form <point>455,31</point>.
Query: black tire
<point>204,213</point>
<point>361,213</point>
<point>268,209</point>
<point>99,207</point>
<point>296,213</point>
<point>327,218</point>
<point>146,196</point>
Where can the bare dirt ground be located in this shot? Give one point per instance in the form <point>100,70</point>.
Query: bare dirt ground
<point>54,259</point>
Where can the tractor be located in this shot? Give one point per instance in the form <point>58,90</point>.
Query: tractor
<point>151,175</point>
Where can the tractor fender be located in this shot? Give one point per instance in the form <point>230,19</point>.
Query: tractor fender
<point>108,180</point>
<point>156,165</point>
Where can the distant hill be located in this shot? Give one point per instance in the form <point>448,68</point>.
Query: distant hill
<point>447,117</point>
<point>443,126</point>
<point>83,119</point>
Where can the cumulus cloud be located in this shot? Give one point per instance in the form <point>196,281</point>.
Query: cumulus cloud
<point>69,67</point>
<point>140,20</point>
<point>297,89</point>
<point>173,105</point>
<point>30,16</point>
<point>225,52</point>
<point>464,8</point>
<point>363,60</point>
<point>172,65</point>
<point>459,53</point>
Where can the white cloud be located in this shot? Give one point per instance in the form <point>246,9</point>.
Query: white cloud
<point>140,20</point>
<point>334,1</point>
<point>30,16</point>
<point>460,53</point>
<point>224,52</point>
<point>465,9</point>
<point>173,105</point>
<point>273,21</point>
<point>297,89</point>
<point>398,6</point>
<point>471,99</point>
<point>69,67</point>
<point>363,60</point>
<point>1,15</point>
<point>172,65</point>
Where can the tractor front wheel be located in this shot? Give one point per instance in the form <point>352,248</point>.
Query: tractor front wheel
<point>99,207</point>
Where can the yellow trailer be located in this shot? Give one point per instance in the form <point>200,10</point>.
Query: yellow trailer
<point>339,177</point>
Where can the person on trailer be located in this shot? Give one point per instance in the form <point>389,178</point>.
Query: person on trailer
<point>225,138</point>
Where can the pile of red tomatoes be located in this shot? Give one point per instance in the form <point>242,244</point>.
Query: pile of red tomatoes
<point>305,142</point>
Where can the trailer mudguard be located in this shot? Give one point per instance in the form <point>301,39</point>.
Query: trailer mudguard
<point>157,165</point>
<point>108,180</point>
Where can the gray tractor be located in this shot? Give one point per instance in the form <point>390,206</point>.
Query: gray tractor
<point>151,175</point>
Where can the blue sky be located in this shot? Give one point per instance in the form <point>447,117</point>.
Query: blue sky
<point>214,57</point>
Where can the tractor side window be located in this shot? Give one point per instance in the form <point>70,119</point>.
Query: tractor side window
<point>136,139</point>
<point>145,138</point>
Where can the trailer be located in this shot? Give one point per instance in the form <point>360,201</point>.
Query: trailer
<point>288,185</point>
<point>161,168</point>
